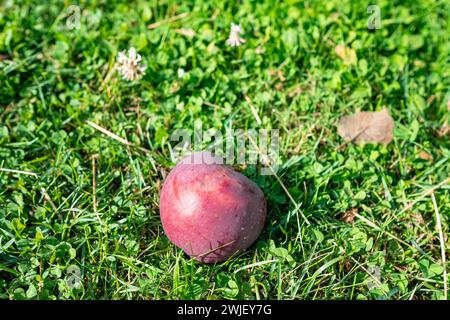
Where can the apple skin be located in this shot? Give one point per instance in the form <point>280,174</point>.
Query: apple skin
<point>209,210</point>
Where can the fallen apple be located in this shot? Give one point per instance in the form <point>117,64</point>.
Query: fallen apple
<point>209,210</point>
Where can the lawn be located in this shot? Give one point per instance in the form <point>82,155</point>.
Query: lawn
<point>84,152</point>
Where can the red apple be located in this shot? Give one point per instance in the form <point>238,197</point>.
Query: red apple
<point>209,210</point>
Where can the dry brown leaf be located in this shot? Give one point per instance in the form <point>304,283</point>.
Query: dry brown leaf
<point>347,55</point>
<point>279,86</point>
<point>368,127</point>
<point>425,156</point>
<point>272,72</point>
<point>295,91</point>
<point>418,218</point>
<point>174,88</point>
<point>186,32</point>
<point>443,131</point>
<point>347,266</point>
<point>349,215</point>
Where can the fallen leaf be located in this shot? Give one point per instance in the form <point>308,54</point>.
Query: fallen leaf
<point>443,131</point>
<point>278,74</point>
<point>349,215</point>
<point>346,54</point>
<point>186,32</point>
<point>418,218</point>
<point>368,127</point>
<point>174,88</point>
<point>347,266</point>
<point>425,156</point>
<point>279,86</point>
<point>295,91</point>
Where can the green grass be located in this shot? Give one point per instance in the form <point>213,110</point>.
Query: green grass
<point>53,80</point>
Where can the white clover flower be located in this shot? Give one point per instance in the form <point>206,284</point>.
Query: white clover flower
<point>128,66</point>
<point>234,40</point>
<point>180,73</point>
